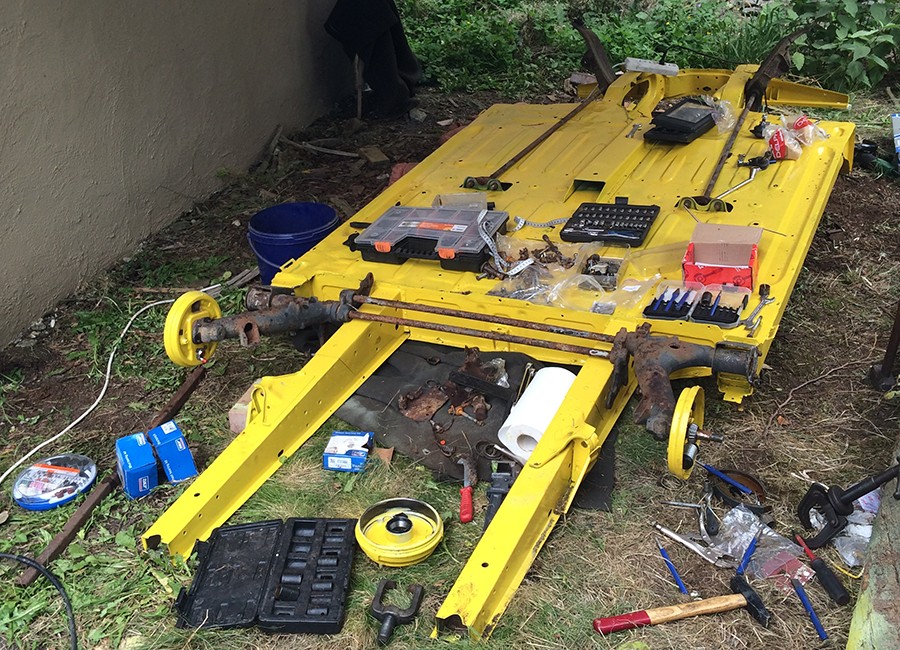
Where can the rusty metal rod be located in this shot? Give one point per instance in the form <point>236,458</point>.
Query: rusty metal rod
<point>465,331</point>
<point>726,150</point>
<point>81,515</point>
<point>509,164</point>
<point>487,318</point>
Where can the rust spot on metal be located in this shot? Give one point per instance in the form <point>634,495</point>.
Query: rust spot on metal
<point>421,404</point>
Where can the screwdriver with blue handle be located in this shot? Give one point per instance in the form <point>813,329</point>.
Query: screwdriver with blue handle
<point>748,553</point>
<point>672,569</point>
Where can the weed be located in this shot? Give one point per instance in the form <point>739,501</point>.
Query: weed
<point>148,271</point>
<point>636,447</point>
<point>10,383</point>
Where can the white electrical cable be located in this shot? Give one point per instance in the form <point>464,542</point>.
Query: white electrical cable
<point>109,363</point>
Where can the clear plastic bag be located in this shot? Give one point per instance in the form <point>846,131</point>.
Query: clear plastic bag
<point>775,555</point>
<point>582,293</point>
<point>540,282</point>
<point>782,142</point>
<point>802,128</point>
<point>724,117</point>
<point>533,284</point>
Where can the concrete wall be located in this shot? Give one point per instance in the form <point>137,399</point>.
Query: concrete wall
<point>113,114</point>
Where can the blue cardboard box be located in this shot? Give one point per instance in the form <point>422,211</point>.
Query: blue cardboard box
<point>347,451</point>
<point>136,465</point>
<point>173,452</point>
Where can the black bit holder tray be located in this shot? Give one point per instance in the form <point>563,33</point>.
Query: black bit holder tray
<point>285,577</point>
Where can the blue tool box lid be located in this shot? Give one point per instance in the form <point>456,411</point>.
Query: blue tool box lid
<point>53,481</point>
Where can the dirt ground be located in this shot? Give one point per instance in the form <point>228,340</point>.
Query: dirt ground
<point>812,417</point>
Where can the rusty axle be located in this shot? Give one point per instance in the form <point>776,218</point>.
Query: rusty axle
<point>655,358</point>
<point>487,318</point>
<point>467,331</point>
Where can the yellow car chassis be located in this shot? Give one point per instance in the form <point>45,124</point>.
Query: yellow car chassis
<point>591,158</point>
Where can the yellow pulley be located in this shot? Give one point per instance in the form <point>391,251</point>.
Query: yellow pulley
<point>178,333</point>
<point>399,532</point>
<point>688,413</point>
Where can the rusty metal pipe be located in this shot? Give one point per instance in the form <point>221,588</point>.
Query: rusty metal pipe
<point>509,164</point>
<point>466,331</point>
<point>288,314</point>
<point>655,359</point>
<point>487,318</point>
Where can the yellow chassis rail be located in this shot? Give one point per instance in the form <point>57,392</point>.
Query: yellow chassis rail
<point>589,159</point>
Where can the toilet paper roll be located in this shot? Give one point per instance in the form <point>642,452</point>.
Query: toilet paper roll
<point>532,414</point>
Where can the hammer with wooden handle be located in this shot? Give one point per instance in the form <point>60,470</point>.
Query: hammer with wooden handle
<point>743,596</point>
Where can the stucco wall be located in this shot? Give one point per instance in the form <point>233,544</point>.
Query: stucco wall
<point>114,114</point>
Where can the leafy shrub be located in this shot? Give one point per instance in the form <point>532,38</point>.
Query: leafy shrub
<point>507,44</point>
<point>527,46</point>
<point>852,43</point>
<point>757,35</point>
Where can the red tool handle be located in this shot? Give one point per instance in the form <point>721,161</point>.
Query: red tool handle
<point>828,579</point>
<point>622,622</point>
<point>465,504</point>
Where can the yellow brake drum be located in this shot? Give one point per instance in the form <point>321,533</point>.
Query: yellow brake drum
<point>399,532</point>
<point>688,411</point>
<point>178,333</point>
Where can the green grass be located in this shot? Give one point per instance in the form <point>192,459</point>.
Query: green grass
<point>10,384</point>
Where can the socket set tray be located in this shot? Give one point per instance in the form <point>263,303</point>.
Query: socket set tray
<point>284,577</point>
<point>618,224</point>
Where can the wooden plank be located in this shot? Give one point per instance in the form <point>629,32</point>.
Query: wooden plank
<point>79,518</point>
<point>876,618</point>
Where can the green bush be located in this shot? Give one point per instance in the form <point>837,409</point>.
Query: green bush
<point>527,46</point>
<point>505,45</point>
<point>851,44</point>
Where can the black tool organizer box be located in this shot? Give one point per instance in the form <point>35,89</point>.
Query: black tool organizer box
<point>288,576</point>
<point>447,235</point>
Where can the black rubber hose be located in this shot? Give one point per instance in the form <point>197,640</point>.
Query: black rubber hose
<point>73,636</point>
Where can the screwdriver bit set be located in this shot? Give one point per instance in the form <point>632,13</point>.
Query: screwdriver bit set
<point>713,304</point>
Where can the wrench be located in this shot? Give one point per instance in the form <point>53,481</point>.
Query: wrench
<point>764,299</point>
<point>753,172</point>
<point>634,129</point>
<point>704,514</point>
<point>752,321</point>
<point>708,553</point>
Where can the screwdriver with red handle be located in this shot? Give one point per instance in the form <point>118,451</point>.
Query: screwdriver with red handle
<point>830,582</point>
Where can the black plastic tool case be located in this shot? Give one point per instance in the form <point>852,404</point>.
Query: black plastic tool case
<point>447,235</point>
<point>288,576</point>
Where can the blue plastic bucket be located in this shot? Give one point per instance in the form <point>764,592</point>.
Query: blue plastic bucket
<point>284,232</point>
